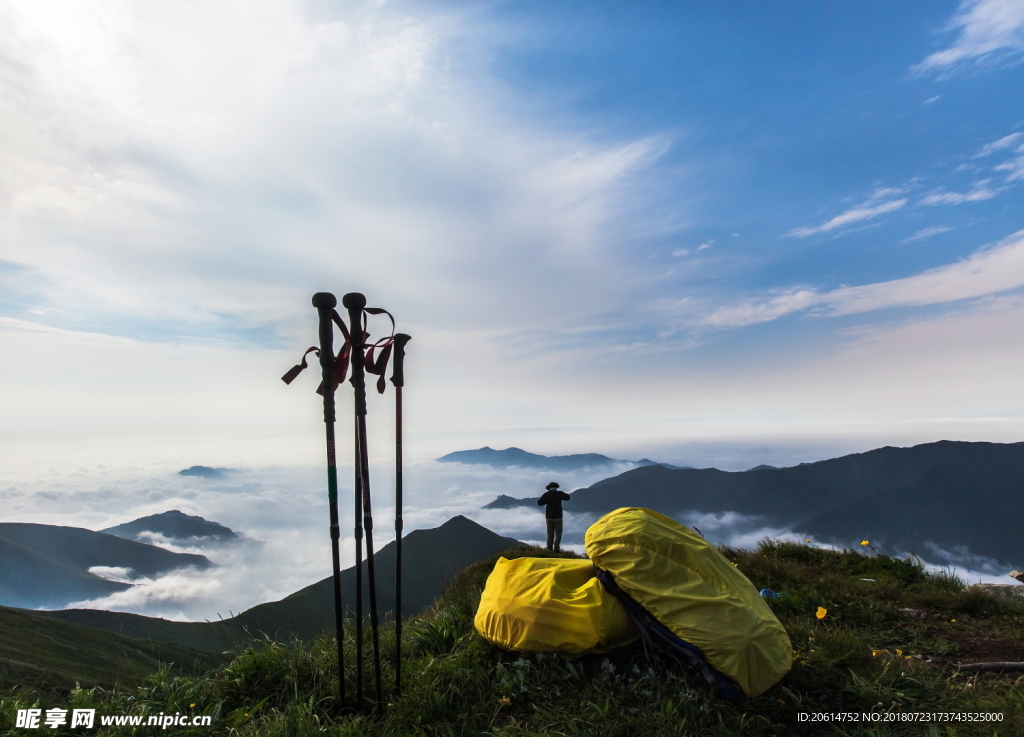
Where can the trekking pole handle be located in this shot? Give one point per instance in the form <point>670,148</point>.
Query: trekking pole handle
<point>324,303</point>
<point>398,367</point>
<point>354,302</point>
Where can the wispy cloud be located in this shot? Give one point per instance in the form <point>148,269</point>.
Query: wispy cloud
<point>927,233</point>
<point>870,209</point>
<point>989,30</point>
<point>987,271</point>
<point>1014,168</point>
<point>1004,142</point>
<point>758,311</point>
<point>980,191</point>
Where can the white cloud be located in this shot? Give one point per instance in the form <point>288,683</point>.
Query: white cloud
<point>989,270</point>
<point>680,252</point>
<point>113,573</point>
<point>866,211</point>
<point>930,100</point>
<point>758,311</point>
<point>1004,142</point>
<point>927,233</point>
<point>1014,169</point>
<point>980,191</point>
<point>989,30</point>
<point>208,168</point>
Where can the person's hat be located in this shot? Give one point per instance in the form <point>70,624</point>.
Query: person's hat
<point>552,485</point>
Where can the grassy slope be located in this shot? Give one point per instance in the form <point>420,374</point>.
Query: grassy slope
<point>50,656</point>
<point>864,656</point>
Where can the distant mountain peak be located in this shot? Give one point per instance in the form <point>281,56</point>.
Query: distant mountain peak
<point>173,524</point>
<point>206,472</point>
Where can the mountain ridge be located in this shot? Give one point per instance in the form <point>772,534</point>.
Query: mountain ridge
<point>947,493</point>
<point>518,457</point>
<point>49,565</point>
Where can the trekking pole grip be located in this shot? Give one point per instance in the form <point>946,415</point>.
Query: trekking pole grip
<point>354,302</point>
<point>398,368</point>
<point>324,303</point>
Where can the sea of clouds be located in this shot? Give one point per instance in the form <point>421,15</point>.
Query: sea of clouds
<point>281,513</point>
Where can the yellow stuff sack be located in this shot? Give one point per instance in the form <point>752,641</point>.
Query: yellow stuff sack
<point>550,605</point>
<point>692,589</point>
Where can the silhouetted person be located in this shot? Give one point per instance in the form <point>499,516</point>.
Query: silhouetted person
<point>553,498</point>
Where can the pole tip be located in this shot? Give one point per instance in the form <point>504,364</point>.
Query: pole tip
<point>324,299</point>
<point>402,338</point>
<point>354,301</point>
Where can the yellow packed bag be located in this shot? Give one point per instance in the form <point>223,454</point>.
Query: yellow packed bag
<point>699,596</point>
<point>550,605</point>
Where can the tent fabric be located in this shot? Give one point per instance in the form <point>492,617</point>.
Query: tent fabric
<point>551,605</point>
<point>695,591</point>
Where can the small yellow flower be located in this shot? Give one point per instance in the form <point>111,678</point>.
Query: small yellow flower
<point>807,540</point>
<point>899,652</point>
<point>865,542</point>
<point>952,620</point>
<point>191,706</point>
<point>876,653</point>
<point>505,701</point>
<point>822,611</point>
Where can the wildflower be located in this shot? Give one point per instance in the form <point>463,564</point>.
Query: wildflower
<point>899,652</point>
<point>505,701</point>
<point>876,653</point>
<point>822,611</point>
<point>191,706</point>
<point>807,540</point>
<point>952,620</point>
<point>736,564</point>
<point>865,542</point>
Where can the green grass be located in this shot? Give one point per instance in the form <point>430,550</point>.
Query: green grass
<point>48,656</point>
<point>864,656</point>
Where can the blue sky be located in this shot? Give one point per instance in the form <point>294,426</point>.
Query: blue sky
<point>629,228</point>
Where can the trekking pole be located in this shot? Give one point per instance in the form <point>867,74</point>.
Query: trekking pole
<point>398,379</point>
<point>325,303</point>
<point>355,302</point>
<point>359,566</point>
